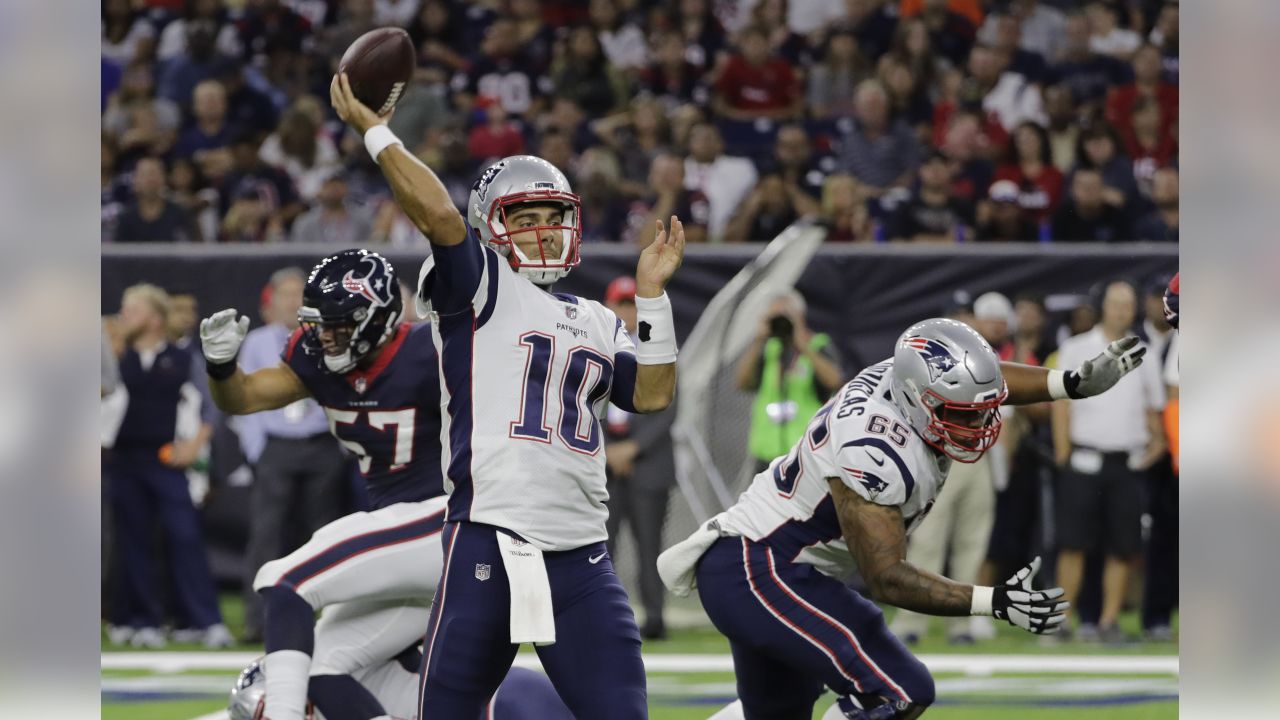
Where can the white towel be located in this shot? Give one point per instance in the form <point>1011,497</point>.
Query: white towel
<point>532,618</point>
<point>676,565</point>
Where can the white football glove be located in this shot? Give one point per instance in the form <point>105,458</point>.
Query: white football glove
<point>1036,611</point>
<point>221,335</point>
<point>1098,375</point>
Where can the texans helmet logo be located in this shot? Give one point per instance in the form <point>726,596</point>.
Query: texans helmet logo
<point>375,286</point>
<point>936,357</point>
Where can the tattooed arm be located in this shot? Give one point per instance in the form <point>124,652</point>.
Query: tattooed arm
<point>877,538</point>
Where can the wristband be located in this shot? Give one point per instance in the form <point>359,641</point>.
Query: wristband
<point>1057,385</point>
<point>379,138</point>
<point>220,371</point>
<point>656,330</point>
<point>982,600</point>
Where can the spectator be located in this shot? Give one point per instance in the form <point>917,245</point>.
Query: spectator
<point>533,32</point>
<point>299,471</point>
<point>792,371</point>
<point>874,22</point>
<point>952,33</point>
<point>756,84</point>
<point>1106,37</point>
<point>1160,589</point>
<point>932,214</point>
<point>249,107</point>
<point>724,180</point>
<point>1104,446</point>
<point>993,318</point>
<point>249,219</point>
<point>127,36</point>
<point>908,99</point>
<point>967,146</point>
<point>114,191</point>
<point>153,217</point>
<point>640,467</point>
<point>972,10</point>
<point>1007,41</point>
<point>251,175</point>
<point>210,131</point>
<point>794,159</point>
<point>497,137</point>
<point>190,191</point>
<point>334,220</point>
<point>771,16</point>
<point>1030,168</point>
<point>147,485</point>
<point>879,150</point>
<point>604,213</point>
<point>623,42</point>
<point>173,39</point>
<point>394,12</point>
<point>202,61</point>
<point>831,81</point>
<point>1031,345</point>
<point>767,211</point>
<point>436,29</point>
<point>301,148</point>
<point>1165,36</point>
<point>1063,128</point>
<point>555,147</point>
<point>1087,217</point>
<point>808,18</point>
<point>138,122</point>
<point>1043,27</point>
<point>670,76</point>
<point>354,19</point>
<point>1002,218</point>
<point>844,210</point>
<point>703,35</point>
<point>1085,73</point>
<point>913,46</point>
<point>503,71</point>
<point>667,196</point>
<point>1099,150</point>
<point>1151,141</point>
<point>1148,84</point>
<point>636,137</point>
<point>584,75</point>
<point>1006,96</point>
<point>1161,224</point>
<point>273,36</point>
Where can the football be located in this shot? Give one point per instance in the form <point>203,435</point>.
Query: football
<point>379,64</point>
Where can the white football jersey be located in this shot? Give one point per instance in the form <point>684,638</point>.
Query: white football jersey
<point>526,377</point>
<point>859,437</point>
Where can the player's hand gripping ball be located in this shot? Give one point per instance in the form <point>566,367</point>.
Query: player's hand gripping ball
<point>379,65</point>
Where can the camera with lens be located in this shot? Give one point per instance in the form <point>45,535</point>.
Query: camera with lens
<point>781,327</point>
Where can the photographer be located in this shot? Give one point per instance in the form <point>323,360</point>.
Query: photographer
<point>792,370</point>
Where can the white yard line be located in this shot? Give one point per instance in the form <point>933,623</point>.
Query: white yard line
<point>174,662</point>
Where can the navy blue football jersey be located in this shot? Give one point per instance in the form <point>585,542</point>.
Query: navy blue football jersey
<point>387,414</point>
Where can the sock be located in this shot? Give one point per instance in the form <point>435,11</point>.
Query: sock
<point>340,697</point>
<point>286,682</point>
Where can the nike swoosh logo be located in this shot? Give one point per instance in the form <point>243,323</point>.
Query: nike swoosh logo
<point>874,459</point>
<point>596,558</point>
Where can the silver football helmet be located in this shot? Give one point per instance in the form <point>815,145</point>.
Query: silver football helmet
<point>523,180</point>
<point>249,695</point>
<point>947,382</point>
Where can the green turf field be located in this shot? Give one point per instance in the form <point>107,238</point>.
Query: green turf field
<point>147,694</point>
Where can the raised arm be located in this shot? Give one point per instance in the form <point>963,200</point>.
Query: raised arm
<point>1029,384</point>
<point>418,191</point>
<point>234,391</point>
<point>656,354</point>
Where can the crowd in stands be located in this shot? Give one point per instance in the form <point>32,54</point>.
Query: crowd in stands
<point>912,120</point>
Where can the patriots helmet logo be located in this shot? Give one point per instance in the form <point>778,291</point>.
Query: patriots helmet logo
<point>375,286</point>
<point>936,356</point>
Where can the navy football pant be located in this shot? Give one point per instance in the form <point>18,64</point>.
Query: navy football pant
<point>594,664</point>
<point>793,630</point>
<point>143,491</point>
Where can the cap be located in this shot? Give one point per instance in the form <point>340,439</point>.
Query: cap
<point>622,288</point>
<point>960,303</point>
<point>1004,191</point>
<point>993,306</point>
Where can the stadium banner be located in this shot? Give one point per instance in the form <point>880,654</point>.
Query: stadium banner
<point>863,295</point>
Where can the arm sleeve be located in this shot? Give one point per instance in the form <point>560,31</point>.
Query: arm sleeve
<point>457,274</point>
<point>623,392</point>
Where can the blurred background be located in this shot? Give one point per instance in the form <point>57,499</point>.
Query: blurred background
<point>843,168</point>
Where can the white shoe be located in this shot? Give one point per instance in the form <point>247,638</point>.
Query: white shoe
<point>981,627</point>
<point>148,637</point>
<point>119,634</point>
<point>187,635</point>
<point>217,637</point>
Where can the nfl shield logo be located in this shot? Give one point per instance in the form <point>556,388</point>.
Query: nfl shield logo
<point>361,384</point>
<point>482,572</point>
<point>571,312</point>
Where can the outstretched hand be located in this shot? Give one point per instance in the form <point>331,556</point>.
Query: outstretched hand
<point>1037,611</point>
<point>353,112</point>
<point>1101,373</point>
<point>660,259</point>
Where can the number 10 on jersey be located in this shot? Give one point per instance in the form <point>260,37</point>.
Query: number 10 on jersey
<point>585,381</point>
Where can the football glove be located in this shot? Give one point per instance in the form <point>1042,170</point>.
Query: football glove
<point>221,335</point>
<point>1036,611</point>
<point>1098,375</point>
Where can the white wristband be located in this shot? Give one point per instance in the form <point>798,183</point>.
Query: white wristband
<point>1058,385</point>
<point>656,331</point>
<point>379,138</point>
<point>982,597</point>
